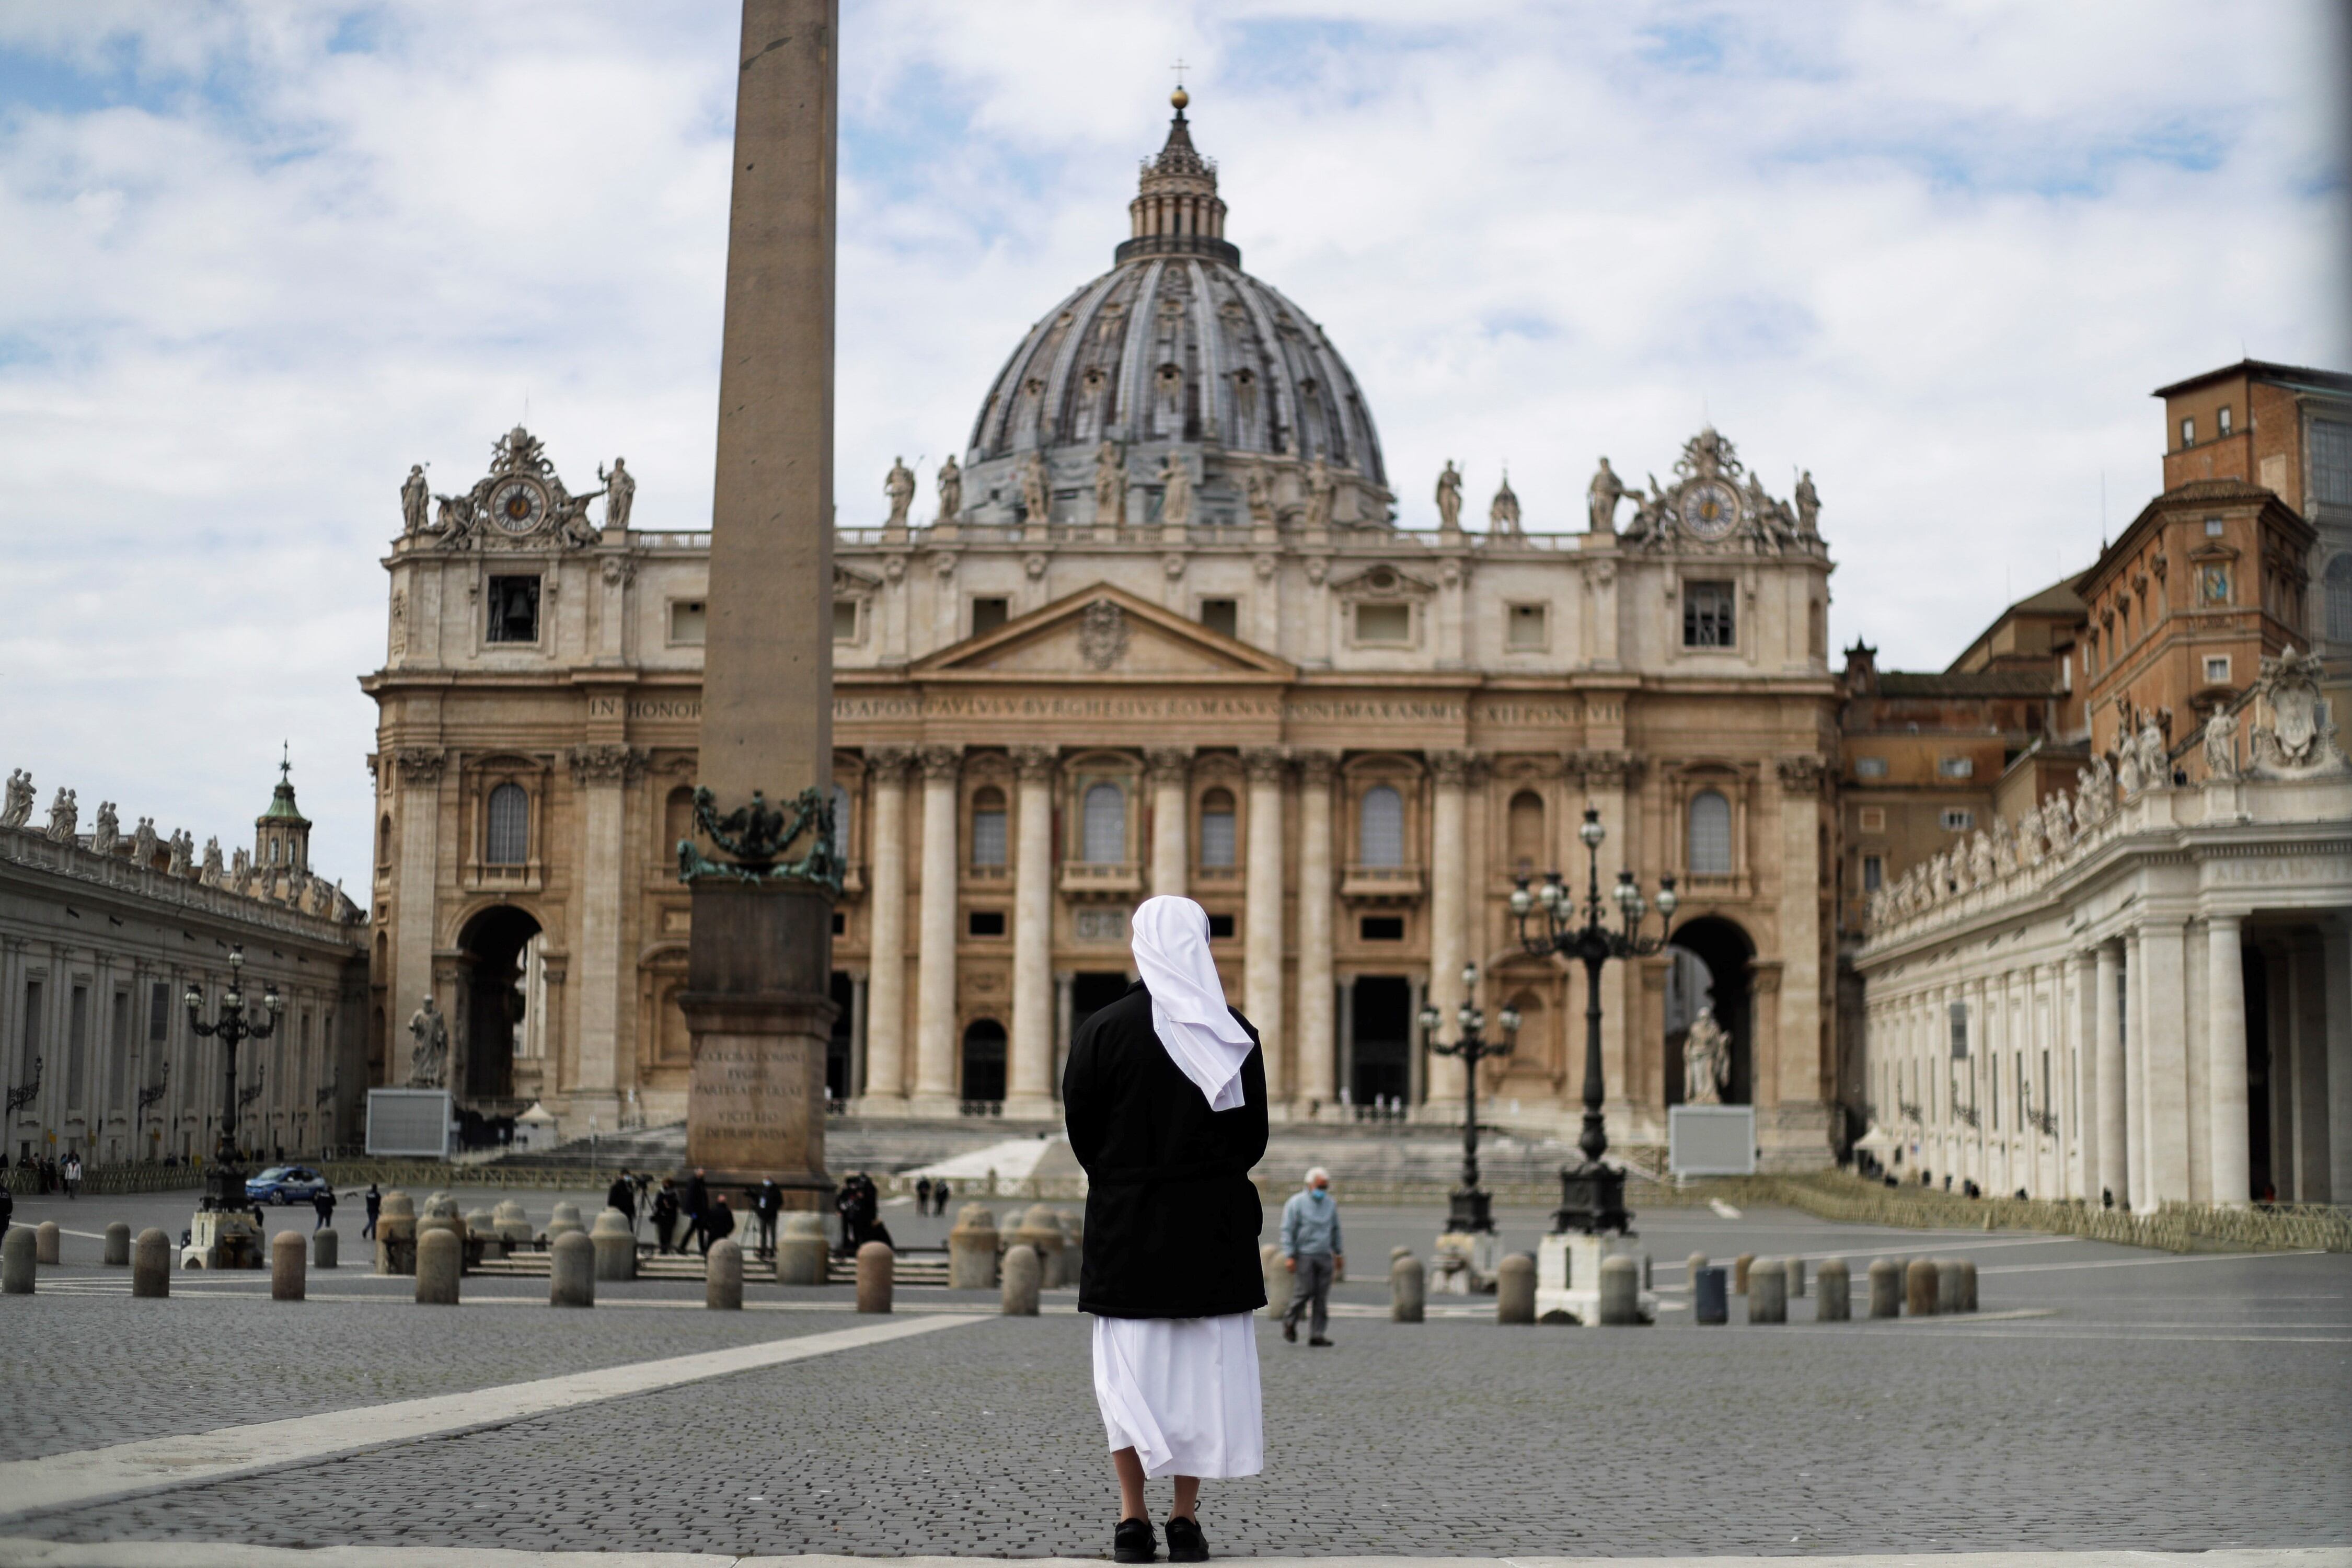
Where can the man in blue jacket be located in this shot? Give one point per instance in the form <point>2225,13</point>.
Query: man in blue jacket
<point>1312,1250</point>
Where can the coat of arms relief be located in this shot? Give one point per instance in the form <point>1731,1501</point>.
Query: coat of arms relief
<point>2292,736</point>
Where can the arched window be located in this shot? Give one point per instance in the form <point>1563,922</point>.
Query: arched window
<point>984,1060</point>
<point>2339,581</point>
<point>840,823</point>
<point>1379,831</point>
<point>1710,834</point>
<point>1217,829</point>
<point>988,847</point>
<point>1527,831</point>
<point>507,843</point>
<point>677,820</point>
<point>1104,838</point>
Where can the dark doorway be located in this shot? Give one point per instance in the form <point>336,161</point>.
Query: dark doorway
<point>1089,991</point>
<point>2260,1178</point>
<point>493,1004</point>
<point>984,1060</point>
<point>1380,1062</point>
<point>836,1049</point>
<point>1724,951</point>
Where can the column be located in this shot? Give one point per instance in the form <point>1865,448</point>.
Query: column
<point>600,777</point>
<point>417,770</point>
<point>1262,912</point>
<point>1171,811</point>
<point>2225,1061</point>
<point>884,1091</point>
<point>1317,1041</point>
<point>1445,951</point>
<point>935,974</point>
<point>2133,1015</point>
<point>1800,934</point>
<point>2334,1047</point>
<point>2090,1143</point>
<point>1344,1047</point>
<point>855,1085</point>
<point>2166,1046</point>
<point>1031,1084</point>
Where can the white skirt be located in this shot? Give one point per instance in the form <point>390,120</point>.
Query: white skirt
<point>1183,1393</point>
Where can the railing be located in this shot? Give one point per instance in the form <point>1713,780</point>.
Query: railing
<point>980,1108</point>
<point>99,1180</point>
<point>1396,883</point>
<point>1084,876</point>
<point>2174,1227</point>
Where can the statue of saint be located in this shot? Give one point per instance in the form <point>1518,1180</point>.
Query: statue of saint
<point>1110,486</point>
<point>429,1056</point>
<point>19,808</point>
<point>108,831</point>
<point>2221,746</point>
<point>414,494</point>
<point>1176,494</point>
<point>63,814</point>
<point>213,872</point>
<point>1321,489</point>
<point>1034,498</point>
<point>1449,497</point>
<point>1707,1060</point>
<point>1601,499</point>
<point>1257,492</point>
<point>620,493</point>
<point>184,854</point>
<point>900,488</point>
<point>1808,503</point>
<point>1503,516</point>
<point>143,844</point>
<point>950,490</point>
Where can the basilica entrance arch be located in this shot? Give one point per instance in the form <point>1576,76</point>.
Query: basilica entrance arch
<point>1711,956</point>
<point>492,946</point>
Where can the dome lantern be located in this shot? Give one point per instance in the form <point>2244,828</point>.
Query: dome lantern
<point>1176,210</point>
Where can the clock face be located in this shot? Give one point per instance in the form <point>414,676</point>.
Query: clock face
<point>1710,510</point>
<point>517,506</point>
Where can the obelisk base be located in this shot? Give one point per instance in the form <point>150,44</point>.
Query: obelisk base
<point>759,1004</point>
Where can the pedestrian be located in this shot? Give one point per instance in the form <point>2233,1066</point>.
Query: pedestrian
<point>1164,1094</point>
<point>374,1206</point>
<point>697,1199</point>
<point>1311,1249</point>
<point>73,1173</point>
<point>622,1195</point>
<point>323,1205</point>
<point>940,1194</point>
<point>718,1223</point>
<point>767,1204</point>
<point>664,1215</point>
<point>922,1194</point>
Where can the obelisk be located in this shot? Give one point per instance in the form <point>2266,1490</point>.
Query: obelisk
<point>758,998</point>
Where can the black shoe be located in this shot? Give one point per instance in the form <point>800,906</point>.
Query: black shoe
<point>1319,1341</point>
<point>1133,1542</point>
<point>1290,1332</point>
<point>1185,1541</point>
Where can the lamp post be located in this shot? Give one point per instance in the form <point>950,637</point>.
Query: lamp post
<point>1592,1195</point>
<point>1470,1210</point>
<point>225,1186</point>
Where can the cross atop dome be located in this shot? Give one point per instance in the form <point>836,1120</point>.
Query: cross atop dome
<point>1176,209</point>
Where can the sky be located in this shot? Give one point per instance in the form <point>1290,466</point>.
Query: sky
<point>257,257</point>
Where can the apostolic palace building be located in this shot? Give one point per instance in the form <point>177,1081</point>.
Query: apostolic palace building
<point>1160,633</point>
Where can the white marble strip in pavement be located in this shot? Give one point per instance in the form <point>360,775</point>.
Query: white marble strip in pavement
<point>26,1553</point>
<point>157,1464</point>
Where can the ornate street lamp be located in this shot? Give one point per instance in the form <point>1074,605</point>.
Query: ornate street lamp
<point>225,1187</point>
<point>1470,1211</point>
<point>1592,1195</point>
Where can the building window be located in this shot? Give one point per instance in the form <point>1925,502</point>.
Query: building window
<point>1524,827</point>
<point>986,923</point>
<point>2337,581</point>
<point>1959,1022</point>
<point>1874,873</point>
<point>1217,829</point>
<point>2188,430</point>
<point>984,1060</point>
<point>2213,527</point>
<point>1958,819</point>
<point>514,610</point>
<point>1220,927</point>
<point>1381,928</point>
<point>687,621</point>
<point>1380,830</point>
<point>159,1012</point>
<point>840,823</point>
<point>1384,622</point>
<point>1527,628</point>
<point>988,847</point>
<point>2331,462</point>
<point>1956,767</point>
<point>1707,615</point>
<point>1873,819</point>
<point>1710,834</point>
<point>1221,617</point>
<point>2217,670</point>
<point>845,620</point>
<point>2221,420</point>
<point>987,615</point>
<point>1869,767</point>
<point>1104,826</point>
<point>507,840</point>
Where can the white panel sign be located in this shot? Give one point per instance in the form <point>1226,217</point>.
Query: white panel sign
<point>1711,1139</point>
<point>409,1123</point>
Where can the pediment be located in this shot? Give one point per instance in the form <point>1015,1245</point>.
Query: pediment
<point>1103,632</point>
<point>1383,581</point>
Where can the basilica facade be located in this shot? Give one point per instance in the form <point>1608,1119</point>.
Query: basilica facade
<point>1158,632</point>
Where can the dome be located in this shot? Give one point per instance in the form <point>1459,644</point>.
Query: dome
<point>1175,351</point>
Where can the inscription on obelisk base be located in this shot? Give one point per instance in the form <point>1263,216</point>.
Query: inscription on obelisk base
<point>760,1016</point>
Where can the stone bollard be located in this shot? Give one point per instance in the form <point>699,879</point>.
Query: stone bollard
<point>1408,1289</point>
<point>615,1246</point>
<point>512,1224</point>
<point>1948,1286</point>
<point>1073,1226</point>
<point>1281,1284</point>
<point>117,1246</point>
<point>151,1264</point>
<point>47,1239</point>
<point>877,1271</point>
<point>1710,1302</point>
<point>1515,1288</point>
<point>326,1248</point>
<point>1397,1252</point>
<point>971,1249</point>
<point>1885,1287</point>
<point>1796,1266</point>
<point>722,1275</point>
<point>1967,1285</point>
<point>566,1220</point>
<point>1835,1294</point>
<point>801,1249</point>
<point>1739,1268</point>
<point>285,1280</point>
<point>1621,1290</point>
<point>17,1266</point>
<point>440,1258</point>
<point>1919,1287</point>
<point>1021,1277</point>
<point>395,1234</point>
<point>1045,1237</point>
<point>572,1270</point>
<point>1768,1292</point>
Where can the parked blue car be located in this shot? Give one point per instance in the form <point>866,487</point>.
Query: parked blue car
<point>285,1185</point>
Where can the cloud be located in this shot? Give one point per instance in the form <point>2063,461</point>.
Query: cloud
<point>264,256</point>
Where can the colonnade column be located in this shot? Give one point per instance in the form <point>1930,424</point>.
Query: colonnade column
<point>1262,912</point>
<point>2164,1043</point>
<point>1032,1086</point>
<point>885,1089</point>
<point>935,974</point>
<point>601,775</point>
<point>1317,1042</point>
<point>2225,1062</point>
<point>1170,767</point>
<point>1445,929</point>
<point>2085,1064</point>
<point>2132,1027</point>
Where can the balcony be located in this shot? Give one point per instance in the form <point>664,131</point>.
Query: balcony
<point>1121,880</point>
<point>1383,884</point>
<point>1217,876</point>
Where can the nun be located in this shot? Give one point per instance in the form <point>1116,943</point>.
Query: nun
<point>1165,1093</point>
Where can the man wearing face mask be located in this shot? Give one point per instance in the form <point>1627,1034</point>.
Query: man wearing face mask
<point>1312,1250</point>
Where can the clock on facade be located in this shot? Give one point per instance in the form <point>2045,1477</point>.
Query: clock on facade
<point>1709,510</point>
<point>518,506</point>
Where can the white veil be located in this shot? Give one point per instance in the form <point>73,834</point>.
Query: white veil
<point>1202,1037</point>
